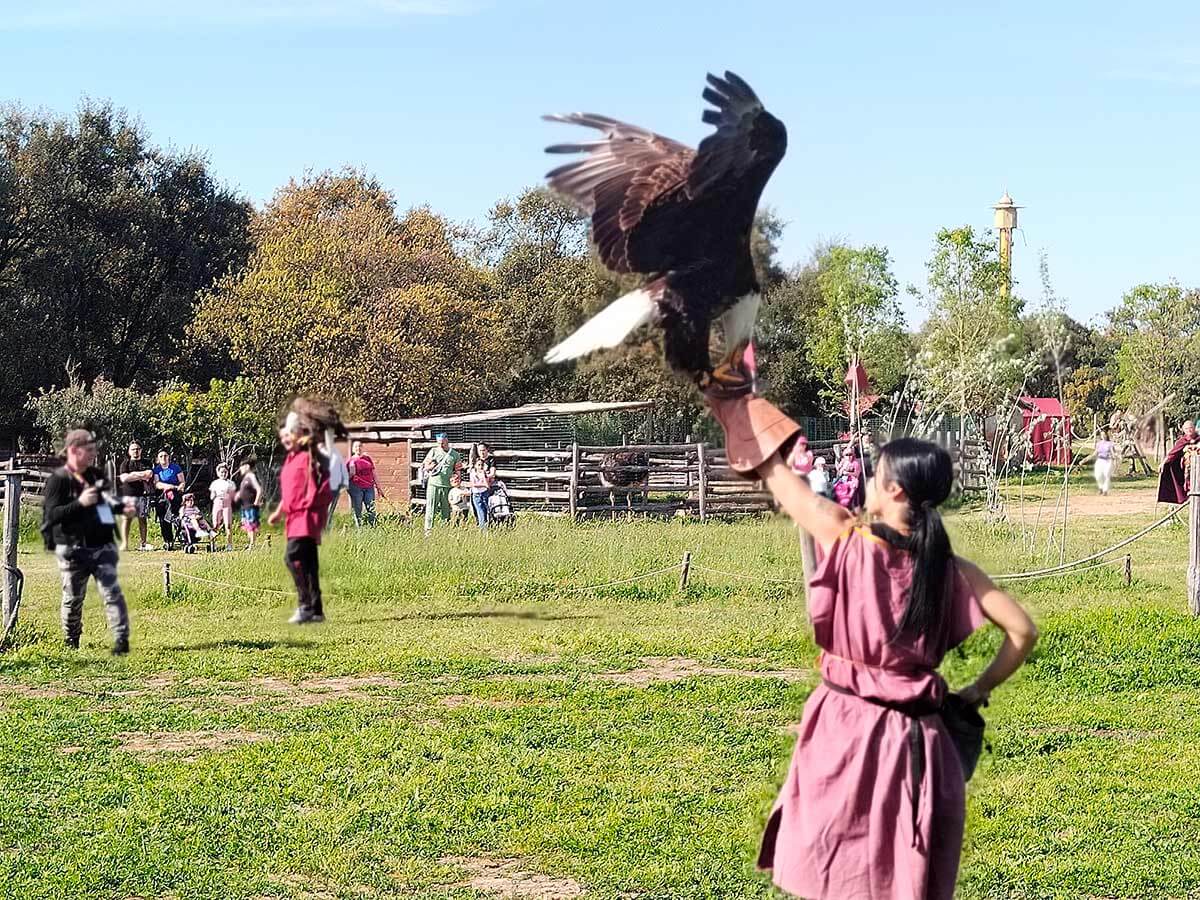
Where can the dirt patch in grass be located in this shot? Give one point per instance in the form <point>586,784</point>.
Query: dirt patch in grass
<point>457,701</point>
<point>33,692</point>
<point>1123,735</point>
<point>660,669</point>
<point>319,691</point>
<point>148,744</point>
<point>306,887</point>
<point>511,878</point>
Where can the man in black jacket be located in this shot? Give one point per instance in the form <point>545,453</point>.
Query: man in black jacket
<point>79,522</point>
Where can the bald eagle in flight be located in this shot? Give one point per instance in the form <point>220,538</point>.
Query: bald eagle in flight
<point>682,217</point>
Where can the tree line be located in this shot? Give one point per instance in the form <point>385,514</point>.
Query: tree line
<point>137,291</point>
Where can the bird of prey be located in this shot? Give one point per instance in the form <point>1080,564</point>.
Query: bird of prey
<point>682,217</point>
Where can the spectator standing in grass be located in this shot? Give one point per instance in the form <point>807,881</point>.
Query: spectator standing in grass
<point>135,483</point>
<point>874,801</point>
<point>339,478</point>
<point>1173,476</point>
<point>78,524</point>
<point>364,485</point>
<point>222,492</point>
<point>439,467</point>
<point>482,478</point>
<point>250,498</point>
<point>1105,462</point>
<point>168,482</point>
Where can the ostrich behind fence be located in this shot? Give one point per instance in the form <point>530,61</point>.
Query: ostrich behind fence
<point>626,469</point>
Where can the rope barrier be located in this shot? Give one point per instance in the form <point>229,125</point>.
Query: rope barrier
<point>228,584</point>
<point>745,577</point>
<point>592,587</point>
<point>1054,570</point>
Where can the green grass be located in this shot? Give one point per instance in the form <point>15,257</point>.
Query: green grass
<point>456,704</point>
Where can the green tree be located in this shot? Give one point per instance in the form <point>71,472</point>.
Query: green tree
<point>225,422</point>
<point>115,414</point>
<point>858,315</point>
<point>967,345</point>
<point>1158,329</point>
<point>105,241</point>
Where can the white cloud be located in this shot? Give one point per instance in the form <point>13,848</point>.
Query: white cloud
<point>62,14</point>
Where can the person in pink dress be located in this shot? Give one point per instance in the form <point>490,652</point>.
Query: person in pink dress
<point>873,805</point>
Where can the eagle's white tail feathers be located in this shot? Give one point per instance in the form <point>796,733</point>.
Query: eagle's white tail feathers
<point>737,323</point>
<point>608,327</point>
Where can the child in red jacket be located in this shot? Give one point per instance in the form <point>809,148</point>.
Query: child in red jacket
<point>305,498</point>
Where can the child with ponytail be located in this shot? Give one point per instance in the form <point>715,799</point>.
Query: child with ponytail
<point>305,498</point>
<point>874,802</point>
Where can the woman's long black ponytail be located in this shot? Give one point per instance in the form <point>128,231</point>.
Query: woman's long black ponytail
<point>926,474</point>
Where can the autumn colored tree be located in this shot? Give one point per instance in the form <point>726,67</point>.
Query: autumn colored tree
<point>342,297</point>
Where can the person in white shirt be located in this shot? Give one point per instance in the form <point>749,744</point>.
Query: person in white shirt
<point>339,477</point>
<point>222,490</point>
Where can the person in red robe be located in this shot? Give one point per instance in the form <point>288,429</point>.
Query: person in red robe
<point>1173,477</point>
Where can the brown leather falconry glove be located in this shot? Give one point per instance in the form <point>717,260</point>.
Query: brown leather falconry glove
<point>755,430</point>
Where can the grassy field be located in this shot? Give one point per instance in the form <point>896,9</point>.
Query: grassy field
<point>476,720</point>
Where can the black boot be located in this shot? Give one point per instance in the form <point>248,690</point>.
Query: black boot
<point>120,646</point>
<point>71,643</point>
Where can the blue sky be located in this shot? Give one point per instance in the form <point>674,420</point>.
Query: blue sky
<point>902,117</point>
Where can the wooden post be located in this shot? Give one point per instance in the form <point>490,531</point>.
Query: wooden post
<point>1193,574</point>
<point>702,479</point>
<point>167,580</point>
<point>574,484</point>
<point>808,558</point>
<point>684,568</point>
<point>12,529</point>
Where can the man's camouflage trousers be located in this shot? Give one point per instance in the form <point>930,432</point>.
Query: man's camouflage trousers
<point>77,565</point>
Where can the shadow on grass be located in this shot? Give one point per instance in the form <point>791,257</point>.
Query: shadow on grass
<point>282,644</point>
<point>471,614</point>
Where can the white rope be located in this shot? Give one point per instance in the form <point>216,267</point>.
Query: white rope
<point>1054,570</point>
<point>746,577</point>
<point>228,584</point>
<point>593,587</point>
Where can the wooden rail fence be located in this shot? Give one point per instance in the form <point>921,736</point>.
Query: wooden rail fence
<point>582,481</point>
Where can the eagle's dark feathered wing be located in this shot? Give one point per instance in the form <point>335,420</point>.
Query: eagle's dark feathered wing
<point>621,173</point>
<point>635,179</point>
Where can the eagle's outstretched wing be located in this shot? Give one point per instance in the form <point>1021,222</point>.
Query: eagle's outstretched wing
<point>631,170</point>
<point>623,171</point>
<point>747,136</point>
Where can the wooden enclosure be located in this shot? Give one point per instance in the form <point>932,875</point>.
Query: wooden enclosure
<point>583,481</point>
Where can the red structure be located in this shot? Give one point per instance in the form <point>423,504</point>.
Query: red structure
<point>1049,429</point>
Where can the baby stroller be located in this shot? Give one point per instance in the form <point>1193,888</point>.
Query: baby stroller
<point>194,528</point>
<point>500,511</point>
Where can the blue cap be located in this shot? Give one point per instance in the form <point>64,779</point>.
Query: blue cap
<point>439,435</point>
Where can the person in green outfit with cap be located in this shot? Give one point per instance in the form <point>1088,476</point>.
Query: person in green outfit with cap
<point>439,467</point>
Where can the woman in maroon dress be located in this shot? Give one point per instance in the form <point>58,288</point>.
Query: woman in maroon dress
<point>1173,478</point>
<point>874,806</point>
